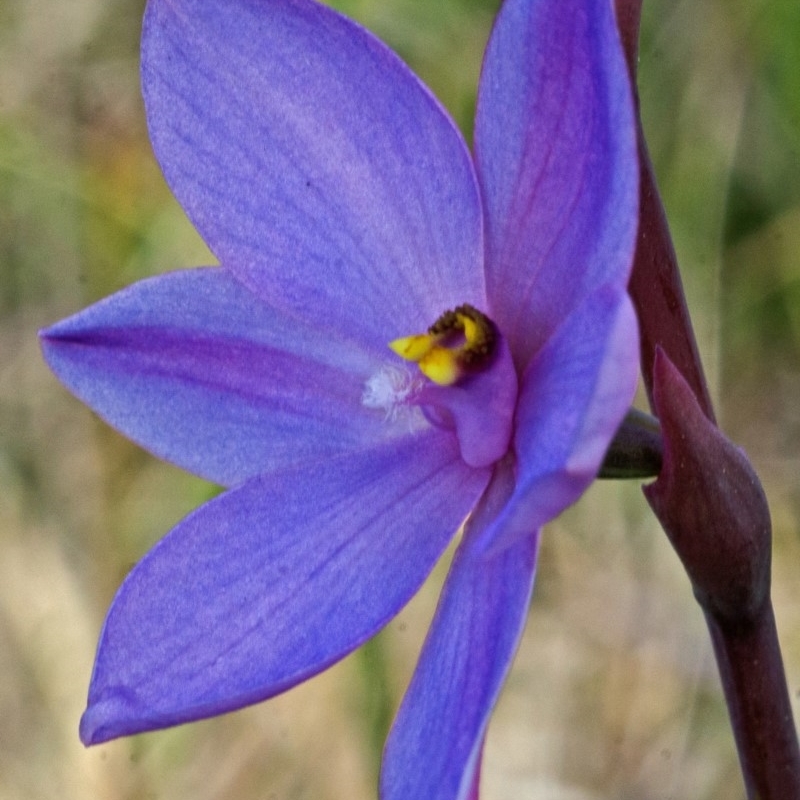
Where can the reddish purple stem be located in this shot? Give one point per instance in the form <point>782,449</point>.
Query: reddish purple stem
<point>655,284</point>
<point>709,500</point>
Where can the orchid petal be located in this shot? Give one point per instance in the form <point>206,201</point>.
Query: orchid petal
<point>434,747</point>
<point>194,367</point>
<point>573,398</point>
<point>556,151</point>
<point>314,163</point>
<point>274,581</point>
<point>474,790</point>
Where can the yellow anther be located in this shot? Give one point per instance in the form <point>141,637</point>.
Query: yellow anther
<point>471,330</point>
<point>441,366</point>
<point>413,348</point>
<point>460,340</point>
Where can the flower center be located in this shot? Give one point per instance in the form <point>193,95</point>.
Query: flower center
<point>471,387</point>
<point>461,341</point>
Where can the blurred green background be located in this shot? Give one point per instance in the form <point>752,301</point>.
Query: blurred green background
<point>614,693</point>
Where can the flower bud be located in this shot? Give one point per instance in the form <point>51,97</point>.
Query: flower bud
<point>711,504</point>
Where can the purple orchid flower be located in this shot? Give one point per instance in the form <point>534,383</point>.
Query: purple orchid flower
<point>347,214</point>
